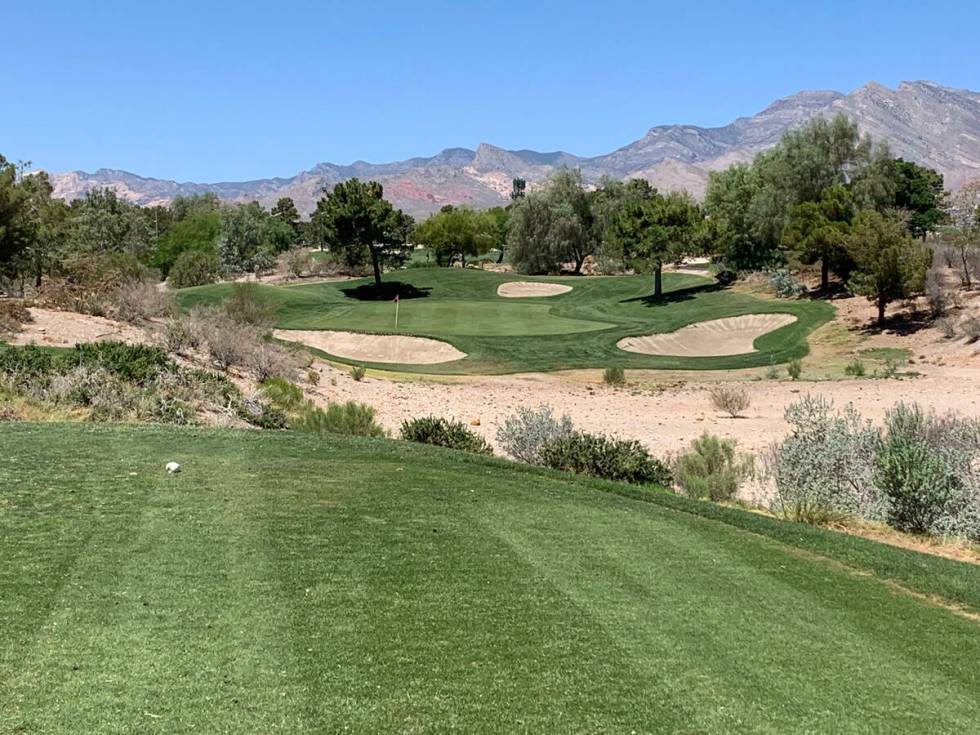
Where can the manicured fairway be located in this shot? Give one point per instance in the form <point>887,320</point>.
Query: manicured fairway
<point>286,583</point>
<point>578,329</point>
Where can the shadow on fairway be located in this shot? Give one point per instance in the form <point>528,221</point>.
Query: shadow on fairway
<point>672,297</point>
<point>386,291</point>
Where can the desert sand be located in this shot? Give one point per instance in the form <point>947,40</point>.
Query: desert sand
<point>530,289</point>
<point>66,329</point>
<point>386,348</point>
<point>731,336</point>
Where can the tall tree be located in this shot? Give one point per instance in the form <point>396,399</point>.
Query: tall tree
<point>102,222</point>
<point>653,232</point>
<point>285,211</point>
<point>456,232</point>
<point>13,200</point>
<point>817,232</point>
<point>355,220</point>
<point>919,191</point>
<point>45,222</point>
<point>888,264</point>
<point>518,188</point>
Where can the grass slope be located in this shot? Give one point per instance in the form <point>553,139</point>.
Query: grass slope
<point>578,329</point>
<point>305,583</point>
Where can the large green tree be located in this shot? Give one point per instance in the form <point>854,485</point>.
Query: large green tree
<point>817,232</point>
<point>13,201</point>
<point>651,233</point>
<point>355,220</point>
<point>919,191</point>
<point>888,263</point>
<point>102,222</point>
<point>456,232</point>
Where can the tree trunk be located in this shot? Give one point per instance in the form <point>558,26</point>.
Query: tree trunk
<point>37,271</point>
<point>500,258</point>
<point>881,312</point>
<point>377,267</point>
<point>824,275</point>
<point>966,269</point>
<point>658,286</point>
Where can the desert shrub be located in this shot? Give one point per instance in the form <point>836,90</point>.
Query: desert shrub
<point>260,414</point>
<point>295,263</point>
<point>137,301</point>
<point>928,467</point>
<point>938,296</point>
<point>889,371</point>
<point>270,360</point>
<point>227,342</point>
<point>444,433</point>
<point>614,376</point>
<point>785,286</point>
<point>625,460</point>
<point>14,314</point>
<point>282,394</point>
<point>246,304</point>
<point>24,363</point>
<point>971,329</point>
<point>772,373</point>
<point>731,399</point>
<point>524,434</point>
<point>855,368</point>
<point>825,467</point>
<point>178,337</point>
<point>794,369</point>
<point>134,363</point>
<point>194,268</point>
<point>357,372</point>
<point>711,469</point>
<point>946,327</point>
<point>88,283</point>
<point>339,418</point>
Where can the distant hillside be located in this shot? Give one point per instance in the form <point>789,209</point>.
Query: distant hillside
<point>933,125</point>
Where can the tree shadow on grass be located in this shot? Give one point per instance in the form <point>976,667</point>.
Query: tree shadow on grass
<point>387,291</point>
<point>673,297</point>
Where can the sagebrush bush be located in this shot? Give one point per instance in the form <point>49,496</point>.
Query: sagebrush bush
<point>855,368</point>
<point>444,433</point>
<point>246,304</point>
<point>295,263</point>
<point>523,434</point>
<point>14,314</point>
<point>194,268</point>
<point>282,394</point>
<point>270,360</point>
<point>946,327</point>
<point>357,372</point>
<point>794,369</point>
<point>785,286</point>
<point>825,467</point>
<point>732,399</point>
<point>970,327</point>
<point>351,418</point>
<point>711,469</point>
<point>614,376</point>
<point>138,301</point>
<point>938,296</point>
<point>625,460</point>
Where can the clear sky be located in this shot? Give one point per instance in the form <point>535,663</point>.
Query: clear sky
<point>209,91</point>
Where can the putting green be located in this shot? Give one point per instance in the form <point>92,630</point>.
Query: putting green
<point>576,329</point>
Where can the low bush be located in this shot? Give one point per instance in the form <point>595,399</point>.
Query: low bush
<point>855,368</point>
<point>731,399</point>
<point>710,469</point>
<point>625,460</point>
<point>970,328</point>
<point>282,394</point>
<point>794,369</point>
<point>524,434</point>
<point>194,268</point>
<point>444,433</point>
<point>946,327</point>
<point>14,314</point>
<point>614,376</point>
<point>133,363</point>
<point>785,286</point>
<point>295,263</point>
<point>138,301</point>
<point>356,419</point>
<point>938,297</point>
<point>357,372</point>
<point>269,360</point>
<point>88,284</point>
<point>246,304</point>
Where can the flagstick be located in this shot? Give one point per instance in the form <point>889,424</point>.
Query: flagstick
<point>396,312</point>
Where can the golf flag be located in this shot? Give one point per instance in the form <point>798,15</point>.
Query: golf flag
<point>396,311</point>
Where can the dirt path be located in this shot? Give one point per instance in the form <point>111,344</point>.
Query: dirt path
<point>66,329</point>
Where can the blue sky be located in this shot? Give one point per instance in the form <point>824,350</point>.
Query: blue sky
<point>210,91</point>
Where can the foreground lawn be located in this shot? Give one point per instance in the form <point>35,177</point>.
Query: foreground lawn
<point>578,329</point>
<point>286,583</point>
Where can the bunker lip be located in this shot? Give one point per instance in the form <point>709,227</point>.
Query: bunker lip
<point>530,289</point>
<point>382,348</point>
<point>715,338</point>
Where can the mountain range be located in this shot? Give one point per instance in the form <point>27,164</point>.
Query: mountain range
<point>925,122</point>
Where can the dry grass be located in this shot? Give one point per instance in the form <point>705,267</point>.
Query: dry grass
<point>730,399</point>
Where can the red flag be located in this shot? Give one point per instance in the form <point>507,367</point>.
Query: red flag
<point>396,298</point>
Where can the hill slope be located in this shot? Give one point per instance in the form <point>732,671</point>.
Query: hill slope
<point>924,122</point>
<point>308,583</point>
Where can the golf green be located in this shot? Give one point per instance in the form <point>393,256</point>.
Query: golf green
<point>576,329</point>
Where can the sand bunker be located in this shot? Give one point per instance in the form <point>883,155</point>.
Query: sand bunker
<point>375,347</point>
<point>731,336</point>
<point>529,289</point>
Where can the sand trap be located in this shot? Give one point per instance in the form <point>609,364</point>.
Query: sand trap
<point>376,347</point>
<point>731,336</point>
<point>530,289</point>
